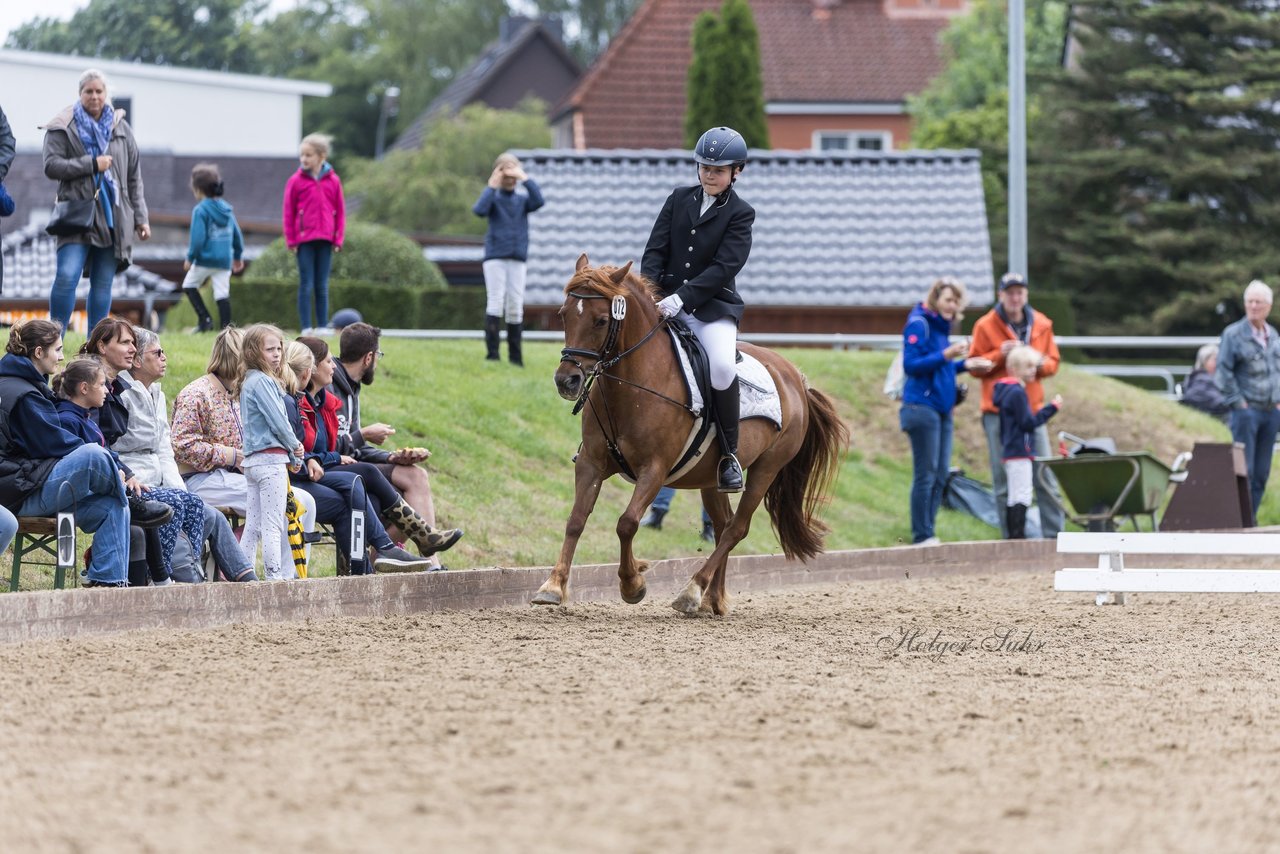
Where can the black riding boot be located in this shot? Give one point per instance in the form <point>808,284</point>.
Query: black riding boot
<point>729,473</point>
<point>202,313</point>
<point>514,350</point>
<point>492,335</point>
<point>224,312</point>
<point>1016,518</point>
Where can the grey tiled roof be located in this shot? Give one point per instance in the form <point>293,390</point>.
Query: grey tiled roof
<point>30,261</point>
<point>864,229</point>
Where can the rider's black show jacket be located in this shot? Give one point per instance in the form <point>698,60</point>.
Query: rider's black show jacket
<point>698,256</point>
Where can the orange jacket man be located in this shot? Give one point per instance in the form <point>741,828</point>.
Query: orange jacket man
<point>1011,322</point>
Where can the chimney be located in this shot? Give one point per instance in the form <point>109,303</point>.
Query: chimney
<point>510,26</point>
<point>822,9</point>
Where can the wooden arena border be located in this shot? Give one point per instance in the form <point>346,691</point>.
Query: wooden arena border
<point>73,613</point>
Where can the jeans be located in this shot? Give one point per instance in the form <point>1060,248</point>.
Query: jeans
<point>8,528</point>
<point>662,501</point>
<point>102,272</point>
<point>1256,429</point>
<point>1051,519</point>
<point>314,258</point>
<point>930,433</point>
<point>332,495</point>
<point>100,507</point>
<point>223,545</point>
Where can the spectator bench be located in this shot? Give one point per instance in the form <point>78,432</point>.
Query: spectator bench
<point>1110,580</point>
<point>37,535</point>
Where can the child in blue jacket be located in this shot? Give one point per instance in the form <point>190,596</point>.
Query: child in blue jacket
<point>1017,432</point>
<point>507,202</point>
<point>216,247</point>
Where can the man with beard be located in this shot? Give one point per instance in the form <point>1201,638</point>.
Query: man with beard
<point>356,366</point>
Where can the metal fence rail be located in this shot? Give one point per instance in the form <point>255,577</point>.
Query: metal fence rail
<point>1170,376</point>
<point>841,341</point>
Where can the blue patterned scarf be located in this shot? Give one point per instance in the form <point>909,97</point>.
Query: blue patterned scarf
<point>96,136</point>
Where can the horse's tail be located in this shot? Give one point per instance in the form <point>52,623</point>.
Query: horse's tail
<point>802,485</point>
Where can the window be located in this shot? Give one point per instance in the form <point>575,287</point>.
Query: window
<point>125,103</point>
<point>852,140</point>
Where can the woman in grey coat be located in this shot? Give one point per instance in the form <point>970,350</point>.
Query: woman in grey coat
<point>88,148</point>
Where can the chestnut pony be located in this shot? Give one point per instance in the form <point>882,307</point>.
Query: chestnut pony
<point>618,363</point>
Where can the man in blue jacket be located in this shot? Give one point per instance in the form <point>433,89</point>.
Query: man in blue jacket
<point>507,202</point>
<point>1248,374</point>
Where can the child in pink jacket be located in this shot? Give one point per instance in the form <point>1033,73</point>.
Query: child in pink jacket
<point>314,223</point>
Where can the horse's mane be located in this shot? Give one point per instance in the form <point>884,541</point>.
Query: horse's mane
<point>598,280</point>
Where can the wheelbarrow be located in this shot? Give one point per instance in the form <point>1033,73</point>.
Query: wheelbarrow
<point>1101,484</point>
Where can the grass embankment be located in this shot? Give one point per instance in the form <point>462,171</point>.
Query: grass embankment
<point>502,440</point>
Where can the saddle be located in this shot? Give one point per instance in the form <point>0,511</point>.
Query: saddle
<point>758,394</point>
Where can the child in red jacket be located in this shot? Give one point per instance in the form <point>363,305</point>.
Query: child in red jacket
<point>315,222</point>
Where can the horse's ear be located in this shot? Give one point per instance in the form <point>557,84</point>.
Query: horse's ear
<point>619,275</point>
<point>583,262</point>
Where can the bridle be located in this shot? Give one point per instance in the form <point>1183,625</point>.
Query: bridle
<point>603,362</point>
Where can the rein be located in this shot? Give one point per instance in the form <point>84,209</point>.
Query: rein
<point>617,313</point>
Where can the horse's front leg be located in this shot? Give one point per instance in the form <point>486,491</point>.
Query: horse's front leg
<point>587,482</point>
<point>630,578</point>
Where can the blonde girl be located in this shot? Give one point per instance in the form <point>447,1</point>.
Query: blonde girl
<point>270,446</point>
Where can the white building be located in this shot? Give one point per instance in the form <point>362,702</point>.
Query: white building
<point>178,110</point>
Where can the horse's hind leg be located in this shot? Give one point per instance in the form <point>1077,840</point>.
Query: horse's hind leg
<point>587,482</point>
<point>709,580</point>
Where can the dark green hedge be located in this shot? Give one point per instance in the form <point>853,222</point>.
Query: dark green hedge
<point>370,253</point>
<point>256,300</point>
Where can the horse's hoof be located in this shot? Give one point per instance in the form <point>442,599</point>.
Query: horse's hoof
<point>637,597</point>
<point>689,600</point>
<point>546,597</point>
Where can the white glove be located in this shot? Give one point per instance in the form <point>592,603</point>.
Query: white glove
<point>670,306</point>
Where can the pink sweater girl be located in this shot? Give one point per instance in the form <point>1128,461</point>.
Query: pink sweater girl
<point>315,221</point>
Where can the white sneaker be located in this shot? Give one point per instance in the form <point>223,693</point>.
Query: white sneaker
<point>165,583</point>
<point>275,575</point>
<point>932,541</point>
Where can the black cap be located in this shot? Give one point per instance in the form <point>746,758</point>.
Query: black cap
<point>1012,280</point>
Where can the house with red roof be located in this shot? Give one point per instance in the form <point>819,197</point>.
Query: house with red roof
<point>837,74</point>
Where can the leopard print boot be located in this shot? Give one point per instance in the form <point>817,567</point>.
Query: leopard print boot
<point>428,539</point>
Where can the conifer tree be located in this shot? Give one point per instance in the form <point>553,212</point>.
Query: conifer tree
<point>1155,175</point>
<point>725,86</point>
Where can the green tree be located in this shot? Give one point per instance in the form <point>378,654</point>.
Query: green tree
<point>1155,181</point>
<point>211,34</point>
<point>724,83</point>
<point>432,189</point>
<point>966,106</point>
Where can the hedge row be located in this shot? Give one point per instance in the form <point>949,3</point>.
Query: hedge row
<point>256,300</point>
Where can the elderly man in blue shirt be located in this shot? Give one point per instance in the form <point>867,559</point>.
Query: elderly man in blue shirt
<point>1248,374</point>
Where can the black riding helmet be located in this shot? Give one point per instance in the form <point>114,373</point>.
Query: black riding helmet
<point>721,146</point>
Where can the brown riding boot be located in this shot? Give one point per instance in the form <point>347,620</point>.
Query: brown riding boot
<point>428,539</point>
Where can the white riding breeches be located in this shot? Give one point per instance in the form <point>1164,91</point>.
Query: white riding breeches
<point>504,288</point>
<point>719,339</point>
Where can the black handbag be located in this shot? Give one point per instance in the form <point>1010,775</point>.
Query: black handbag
<point>73,216</point>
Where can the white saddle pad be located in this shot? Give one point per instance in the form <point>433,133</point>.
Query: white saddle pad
<point>758,392</point>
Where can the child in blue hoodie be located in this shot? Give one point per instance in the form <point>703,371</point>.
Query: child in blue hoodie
<point>216,246</point>
<point>1017,432</point>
